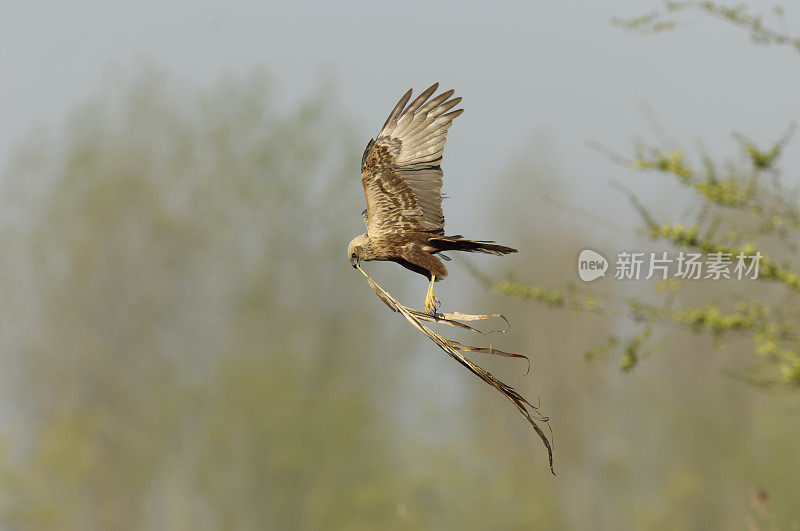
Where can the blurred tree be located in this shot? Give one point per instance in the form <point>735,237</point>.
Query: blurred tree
<point>184,361</point>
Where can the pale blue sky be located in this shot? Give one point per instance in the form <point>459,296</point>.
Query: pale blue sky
<point>557,69</point>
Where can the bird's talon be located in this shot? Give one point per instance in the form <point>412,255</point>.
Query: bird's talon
<point>430,307</point>
<point>432,304</point>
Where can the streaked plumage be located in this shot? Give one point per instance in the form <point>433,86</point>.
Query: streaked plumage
<point>402,178</point>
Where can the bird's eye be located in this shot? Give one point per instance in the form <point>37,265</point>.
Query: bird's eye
<point>353,256</point>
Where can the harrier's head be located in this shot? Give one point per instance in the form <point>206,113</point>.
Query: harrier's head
<point>357,249</point>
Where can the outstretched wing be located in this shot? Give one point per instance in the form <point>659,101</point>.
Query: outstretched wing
<point>401,169</point>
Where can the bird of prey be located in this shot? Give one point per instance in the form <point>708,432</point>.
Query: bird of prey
<point>402,177</point>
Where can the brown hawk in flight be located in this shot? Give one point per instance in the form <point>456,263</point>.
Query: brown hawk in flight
<point>402,177</point>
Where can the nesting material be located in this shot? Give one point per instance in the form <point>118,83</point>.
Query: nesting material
<point>455,349</point>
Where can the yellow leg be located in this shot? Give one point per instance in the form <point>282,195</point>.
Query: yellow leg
<point>431,302</point>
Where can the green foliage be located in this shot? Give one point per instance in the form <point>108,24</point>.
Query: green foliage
<point>552,298</point>
<point>635,349</point>
<point>747,224</point>
<point>741,208</point>
<point>729,221</point>
<point>600,350</point>
<point>739,15</point>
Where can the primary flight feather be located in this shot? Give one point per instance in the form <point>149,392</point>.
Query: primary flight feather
<point>402,177</point>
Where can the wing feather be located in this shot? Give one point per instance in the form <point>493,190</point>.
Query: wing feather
<point>401,169</point>
<point>419,100</point>
<point>398,108</point>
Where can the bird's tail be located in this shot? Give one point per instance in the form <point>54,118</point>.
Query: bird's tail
<point>458,243</point>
